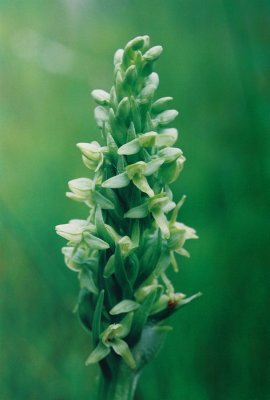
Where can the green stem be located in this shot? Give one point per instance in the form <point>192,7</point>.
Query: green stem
<point>121,386</point>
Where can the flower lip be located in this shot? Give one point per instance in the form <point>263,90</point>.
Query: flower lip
<point>136,168</point>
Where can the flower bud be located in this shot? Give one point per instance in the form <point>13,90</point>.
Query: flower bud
<point>101,97</point>
<point>123,109</point>
<point>119,85</point>
<point>167,137</point>
<point>126,245</point>
<point>81,187</point>
<point>137,43</point>
<point>72,231</point>
<point>101,116</point>
<point>92,154</point>
<point>74,258</point>
<point>113,98</point>
<point>118,56</point>
<point>169,172</point>
<point>147,94</point>
<point>152,79</point>
<point>153,53</point>
<point>130,76</point>
<point>70,263</point>
<point>170,154</point>
<point>145,290</point>
<point>135,114</point>
<point>166,117</point>
<point>161,104</point>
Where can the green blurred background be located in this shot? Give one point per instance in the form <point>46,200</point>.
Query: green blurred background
<point>216,66</point>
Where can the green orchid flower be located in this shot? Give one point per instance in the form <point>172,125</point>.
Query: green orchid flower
<point>122,249</point>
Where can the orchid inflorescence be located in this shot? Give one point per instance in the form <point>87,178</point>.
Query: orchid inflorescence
<point>123,249</point>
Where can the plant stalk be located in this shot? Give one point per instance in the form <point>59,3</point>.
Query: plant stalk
<point>121,386</point>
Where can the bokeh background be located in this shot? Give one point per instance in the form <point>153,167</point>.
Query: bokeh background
<point>216,66</point>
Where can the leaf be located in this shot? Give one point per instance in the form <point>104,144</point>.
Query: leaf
<point>151,342</point>
<point>135,114</point>
<point>85,309</point>
<point>116,126</point>
<point>173,261</point>
<point>163,262</point>
<point>132,265</point>
<point>150,256</point>
<point>109,267</point>
<point>111,290</point>
<point>135,233</point>
<point>149,124</point>
<point>92,263</point>
<point>113,98</point>
<point>87,281</point>
<point>120,273</point>
<point>94,242</point>
<point>131,134</point>
<point>101,228</point>
<point>121,164</point>
<point>141,316</point>
<point>103,201</point>
<point>116,182</point>
<point>123,109</point>
<point>96,328</point>
<point>124,306</point>
<point>119,85</point>
<point>125,325</point>
<point>100,352</point>
<point>121,348</point>
<point>140,211</point>
<point>130,79</point>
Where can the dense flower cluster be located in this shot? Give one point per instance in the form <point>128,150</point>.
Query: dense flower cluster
<point>121,252</point>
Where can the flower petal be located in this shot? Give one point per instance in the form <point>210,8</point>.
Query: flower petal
<point>117,182</point>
